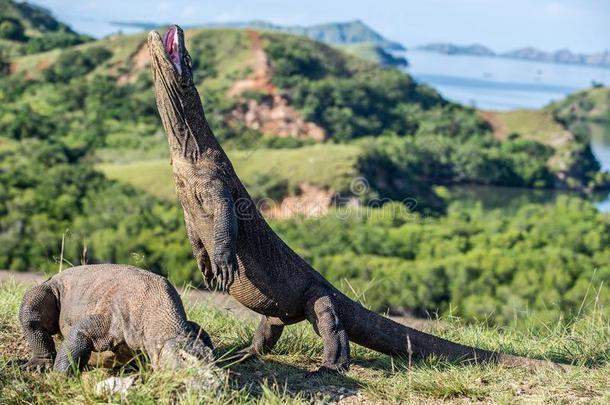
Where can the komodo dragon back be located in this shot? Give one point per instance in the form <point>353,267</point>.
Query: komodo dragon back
<point>109,307</point>
<point>238,252</point>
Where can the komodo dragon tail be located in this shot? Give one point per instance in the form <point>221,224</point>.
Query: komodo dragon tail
<point>382,334</point>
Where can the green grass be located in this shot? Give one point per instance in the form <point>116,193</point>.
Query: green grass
<point>327,166</point>
<point>282,377</point>
<point>152,176</point>
<point>9,47</point>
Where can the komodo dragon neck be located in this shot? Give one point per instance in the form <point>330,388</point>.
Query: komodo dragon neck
<point>245,257</point>
<point>189,136</point>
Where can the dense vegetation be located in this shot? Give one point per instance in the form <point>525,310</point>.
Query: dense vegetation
<point>350,98</point>
<point>79,114</point>
<point>45,198</point>
<point>550,262</point>
<point>400,167</point>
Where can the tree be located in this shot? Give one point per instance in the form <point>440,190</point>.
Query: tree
<point>12,29</point>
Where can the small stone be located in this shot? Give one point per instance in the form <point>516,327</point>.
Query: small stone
<point>205,379</point>
<point>114,385</point>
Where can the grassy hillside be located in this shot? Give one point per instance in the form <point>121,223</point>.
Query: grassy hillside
<point>586,112</point>
<point>328,167</point>
<point>531,124</point>
<point>282,377</point>
<point>572,155</point>
<point>536,125</point>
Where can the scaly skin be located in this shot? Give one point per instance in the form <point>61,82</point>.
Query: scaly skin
<point>238,252</point>
<point>109,307</point>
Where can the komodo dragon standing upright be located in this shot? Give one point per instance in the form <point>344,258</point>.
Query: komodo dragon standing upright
<point>109,307</point>
<point>238,252</point>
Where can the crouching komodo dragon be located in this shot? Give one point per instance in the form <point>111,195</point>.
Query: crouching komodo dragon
<point>109,307</point>
<point>238,252</point>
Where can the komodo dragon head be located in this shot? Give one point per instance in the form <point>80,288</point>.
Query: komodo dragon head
<point>191,348</point>
<point>177,98</point>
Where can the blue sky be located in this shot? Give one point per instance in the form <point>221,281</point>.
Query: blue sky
<point>582,25</point>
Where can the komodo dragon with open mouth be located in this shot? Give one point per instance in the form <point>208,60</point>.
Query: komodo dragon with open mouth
<point>238,252</point>
<point>110,307</point>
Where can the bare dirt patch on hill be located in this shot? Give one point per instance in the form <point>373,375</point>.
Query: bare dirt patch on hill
<point>272,114</point>
<point>138,61</point>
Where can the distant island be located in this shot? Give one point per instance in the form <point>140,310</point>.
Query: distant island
<point>354,37</point>
<point>600,59</point>
<point>451,49</point>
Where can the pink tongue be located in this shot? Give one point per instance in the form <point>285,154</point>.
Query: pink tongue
<point>168,39</point>
<point>171,46</point>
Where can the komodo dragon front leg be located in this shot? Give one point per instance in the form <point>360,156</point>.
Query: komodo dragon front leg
<point>87,335</point>
<point>213,200</point>
<point>39,318</point>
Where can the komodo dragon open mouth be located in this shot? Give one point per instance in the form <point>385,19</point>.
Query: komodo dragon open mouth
<point>169,55</point>
<point>171,43</point>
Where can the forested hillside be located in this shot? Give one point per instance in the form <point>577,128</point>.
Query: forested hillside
<point>85,175</point>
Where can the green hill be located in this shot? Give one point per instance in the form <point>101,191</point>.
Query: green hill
<point>334,33</point>
<point>28,28</point>
<point>572,156</point>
